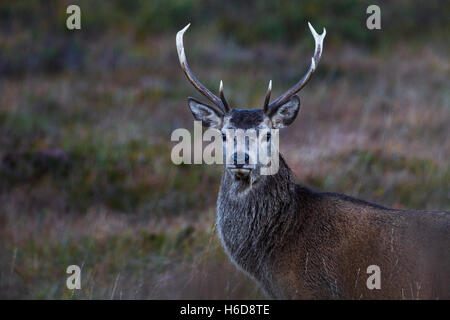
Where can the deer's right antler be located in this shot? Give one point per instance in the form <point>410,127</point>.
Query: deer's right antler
<point>221,103</point>
<point>318,39</point>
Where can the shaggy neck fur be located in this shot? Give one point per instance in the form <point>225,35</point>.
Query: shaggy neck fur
<point>252,221</point>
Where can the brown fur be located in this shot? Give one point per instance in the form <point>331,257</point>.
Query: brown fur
<point>301,244</point>
<point>320,245</point>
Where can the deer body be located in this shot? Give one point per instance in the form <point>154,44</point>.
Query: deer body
<point>301,244</point>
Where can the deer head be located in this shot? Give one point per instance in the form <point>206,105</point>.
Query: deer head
<point>243,163</point>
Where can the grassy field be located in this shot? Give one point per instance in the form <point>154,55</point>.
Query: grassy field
<point>85,170</point>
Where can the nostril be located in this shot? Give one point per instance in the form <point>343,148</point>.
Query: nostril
<point>235,159</point>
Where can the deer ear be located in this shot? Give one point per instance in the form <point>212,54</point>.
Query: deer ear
<point>285,114</point>
<point>209,116</point>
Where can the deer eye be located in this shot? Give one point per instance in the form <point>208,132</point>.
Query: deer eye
<point>224,137</point>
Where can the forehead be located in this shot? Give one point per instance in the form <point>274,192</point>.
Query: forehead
<point>245,119</point>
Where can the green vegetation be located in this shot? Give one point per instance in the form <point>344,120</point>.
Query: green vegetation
<point>43,35</point>
<point>368,175</point>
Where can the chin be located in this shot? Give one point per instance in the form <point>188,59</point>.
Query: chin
<point>244,178</point>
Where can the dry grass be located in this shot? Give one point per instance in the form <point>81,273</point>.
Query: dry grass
<point>373,125</point>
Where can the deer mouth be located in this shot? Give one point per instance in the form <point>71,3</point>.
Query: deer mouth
<point>240,173</point>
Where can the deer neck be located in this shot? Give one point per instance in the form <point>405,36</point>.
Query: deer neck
<point>249,221</point>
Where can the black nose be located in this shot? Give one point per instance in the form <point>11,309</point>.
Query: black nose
<point>235,160</point>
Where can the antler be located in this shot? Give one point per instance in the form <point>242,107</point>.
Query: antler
<point>267,99</point>
<point>222,97</point>
<point>221,103</point>
<point>318,38</point>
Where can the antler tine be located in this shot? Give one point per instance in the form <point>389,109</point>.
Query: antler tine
<point>267,99</point>
<point>222,97</point>
<point>318,38</point>
<point>187,71</point>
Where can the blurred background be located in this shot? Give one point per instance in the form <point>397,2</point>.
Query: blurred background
<point>86,118</point>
